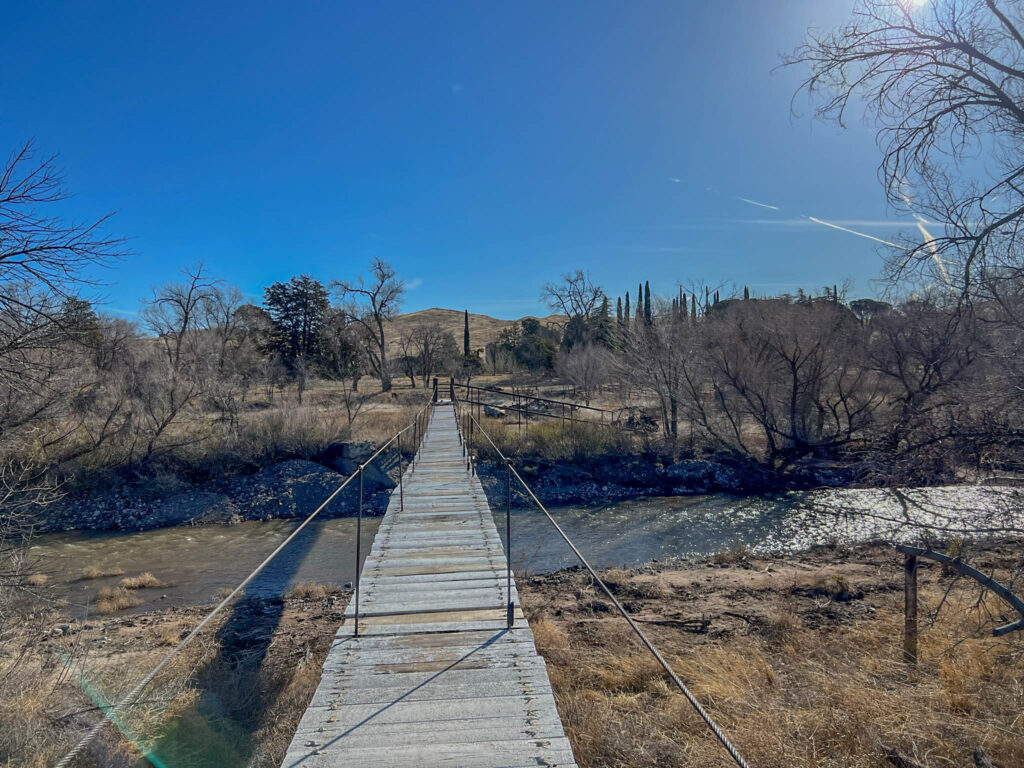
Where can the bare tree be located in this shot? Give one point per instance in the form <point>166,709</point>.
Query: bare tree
<point>586,368</point>
<point>370,304</point>
<point>42,258</point>
<point>167,383</point>
<point>578,299</point>
<point>778,381</point>
<point>658,359</point>
<point>944,81</point>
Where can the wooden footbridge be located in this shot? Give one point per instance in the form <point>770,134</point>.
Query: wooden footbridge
<point>435,664</point>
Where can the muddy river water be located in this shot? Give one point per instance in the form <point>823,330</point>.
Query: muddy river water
<point>194,563</point>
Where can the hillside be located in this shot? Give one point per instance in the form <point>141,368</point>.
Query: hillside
<point>483,329</point>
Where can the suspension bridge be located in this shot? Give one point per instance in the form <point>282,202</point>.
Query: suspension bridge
<point>435,664</point>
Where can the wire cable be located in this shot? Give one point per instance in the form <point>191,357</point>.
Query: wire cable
<point>705,716</point>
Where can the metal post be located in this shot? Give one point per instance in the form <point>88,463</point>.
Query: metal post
<point>401,486</point>
<point>435,389</point>
<point>511,615</point>
<point>359,531</point>
<point>910,609</point>
<point>519,414</point>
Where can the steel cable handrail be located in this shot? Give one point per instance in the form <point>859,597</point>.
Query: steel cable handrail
<point>705,716</point>
<point>111,713</point>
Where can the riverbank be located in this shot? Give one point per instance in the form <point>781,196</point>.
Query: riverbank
<point>606,478</point>
<point>282,490</point>
<point>798,658</point>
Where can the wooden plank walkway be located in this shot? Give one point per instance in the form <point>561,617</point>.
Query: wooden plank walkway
<point>435,678</point>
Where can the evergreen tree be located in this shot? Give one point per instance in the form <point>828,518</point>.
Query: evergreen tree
<point>465,337</point>
<point>746,293</point>
<point>693,305</point>
<point>603,330</point>
<point>626,315</point>
<point>716,298</point>
<point>618,311</point>
<point>647,302</point>
<point>297,312</point>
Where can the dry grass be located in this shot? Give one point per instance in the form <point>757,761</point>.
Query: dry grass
<point>114,599</point>
<point>217,699</point>
<point>94,572</point>
<point>311,590</point>
<point>142,581</point>
<point>38,580</point>
<point>807,679</point>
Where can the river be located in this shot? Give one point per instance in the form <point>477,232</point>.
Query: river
<point>194,563</point>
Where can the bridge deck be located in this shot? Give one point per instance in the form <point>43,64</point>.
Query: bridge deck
<point>434,678</point>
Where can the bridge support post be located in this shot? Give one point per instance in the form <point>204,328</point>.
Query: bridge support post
<point>511,611</point>
<point>401,486</point>
<point>451,388</point>
<point>359,531</point>
<point>435,389</point>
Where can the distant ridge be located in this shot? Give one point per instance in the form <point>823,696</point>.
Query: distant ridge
<point>483,329</point>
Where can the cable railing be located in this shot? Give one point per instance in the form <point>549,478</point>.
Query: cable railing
<point>468,426</point>
<point>418,426</point>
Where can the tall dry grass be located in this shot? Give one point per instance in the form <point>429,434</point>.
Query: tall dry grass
<point>793,692</point>
<point>218,699</point>
<point>554,440</point>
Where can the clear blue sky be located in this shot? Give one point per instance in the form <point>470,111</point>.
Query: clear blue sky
<point>481,147</point>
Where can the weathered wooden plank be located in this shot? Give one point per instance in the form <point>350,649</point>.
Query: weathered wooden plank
<point>435,677</point>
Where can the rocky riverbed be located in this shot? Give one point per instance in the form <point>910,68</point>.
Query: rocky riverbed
<point>292,488</point>
<point>610,478</point>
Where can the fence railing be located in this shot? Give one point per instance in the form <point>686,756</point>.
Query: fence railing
<point>472,396</point>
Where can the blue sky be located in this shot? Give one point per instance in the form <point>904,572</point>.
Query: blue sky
<point>481,147</point>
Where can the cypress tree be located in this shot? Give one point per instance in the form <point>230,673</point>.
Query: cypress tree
<point>625,316</point>
<point>465,336</point>
<point>647,302</point>
<point>716,298</point>
<point>693,305</point>
<point>746,293</point>
<point>618,310</point>
<point>835,293</point>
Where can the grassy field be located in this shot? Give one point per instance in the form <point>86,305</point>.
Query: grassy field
<point>798,659</point>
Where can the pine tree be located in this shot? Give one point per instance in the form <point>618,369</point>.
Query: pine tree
<point>647,302</point>
<point>604,332</point>
<point>465,337</point>
<point>746,293</point>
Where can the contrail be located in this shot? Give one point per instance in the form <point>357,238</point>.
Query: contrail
<point>760,205</point>
<point>929,241</point>
<point>854,232</point>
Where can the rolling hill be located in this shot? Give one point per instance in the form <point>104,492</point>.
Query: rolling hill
<point>483,329</point>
